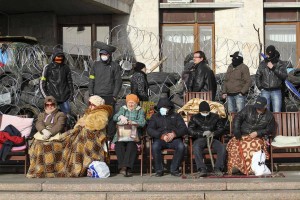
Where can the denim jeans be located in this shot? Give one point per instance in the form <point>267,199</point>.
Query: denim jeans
<point>235,103</point>
<point>65,107</point>
<point>200,144</point>
<point>273,96</point>
<point>176,144</point>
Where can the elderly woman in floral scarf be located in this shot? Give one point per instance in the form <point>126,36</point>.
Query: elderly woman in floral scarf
<point>70,156</point>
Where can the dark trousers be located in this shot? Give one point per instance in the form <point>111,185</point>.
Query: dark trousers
<point>111,127</point>
<point>126,154</point>
<point>158,145</point>
<point>200,144</point>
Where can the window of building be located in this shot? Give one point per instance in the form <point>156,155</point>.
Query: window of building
<point>284,38</point>
<point>180,41</point>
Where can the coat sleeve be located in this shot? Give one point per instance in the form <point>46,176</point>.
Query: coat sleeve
<point>43,82</point>
<point>258,76</point>
<point>193,129</point>
<point>237,122</point>
<point>190,81</point>
<point>141,85</point>
<point>247,78</point>
<point>60,124</point>
<point>181,129</point>
<point>280,71</point>
<point>92,79</point>
<point>219,128</point>
<point>40,125</point>
<point>141,118</point>
<point>118,80</point>
<point>118,114</point>
<point>70,83</point>
<point>199,80</point>
<point>152,128</point>
<point>224,89</point>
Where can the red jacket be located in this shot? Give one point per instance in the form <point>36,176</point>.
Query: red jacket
<point>4,136</point>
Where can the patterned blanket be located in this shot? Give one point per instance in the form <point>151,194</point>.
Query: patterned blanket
<point>69,157</point>
<point>240,153</point>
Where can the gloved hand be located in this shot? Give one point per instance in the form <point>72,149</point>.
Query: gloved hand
<point>208,134</point>
<point>123,119</point>
<point>46,134</point>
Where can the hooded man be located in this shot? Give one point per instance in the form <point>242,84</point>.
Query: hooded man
<point>105,79</point>
<point>139,83</point>
<point>269,78</point>
<point>167,129</point>
<point>57,81</point>
<point>237,82</point>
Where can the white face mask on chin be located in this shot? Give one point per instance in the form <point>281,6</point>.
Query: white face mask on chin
<point>204,114</point>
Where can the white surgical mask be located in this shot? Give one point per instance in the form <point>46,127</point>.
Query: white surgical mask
<point>104,57</point>
<point>163,111</point>
<point>204,114</point>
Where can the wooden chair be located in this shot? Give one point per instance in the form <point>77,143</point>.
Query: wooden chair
<point>19,154</point>
<point>201,95</point>
<point>287,124</point>
<point>140,154</point>
<point>167,154</point>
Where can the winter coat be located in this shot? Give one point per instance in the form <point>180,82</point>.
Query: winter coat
<point>159,125</point>
<point>270,79</point>
<point>139,85</point>
<point>202,80</point>
<point>57,81</point>
<point>248,120</point>
<point>137,115</point>
<point>105,79</point>
<point>96,119</point>
<point>198,124</point>
<point>237,80</point>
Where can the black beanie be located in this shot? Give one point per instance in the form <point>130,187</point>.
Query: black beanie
<point>204,107</point>
<point>139,66</point>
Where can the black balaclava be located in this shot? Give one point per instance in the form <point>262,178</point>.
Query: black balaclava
<point>273,54</point>
<point>236,61</point>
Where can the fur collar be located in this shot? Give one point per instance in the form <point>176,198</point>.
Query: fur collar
<point>137,108</point>
<point>107,108</point>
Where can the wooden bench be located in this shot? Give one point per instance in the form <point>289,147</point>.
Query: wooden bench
<point>287,124</point>
<point>201,95</point>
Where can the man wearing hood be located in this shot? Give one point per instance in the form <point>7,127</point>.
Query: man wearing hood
<point>57,81</point>
<point>167,129</point>
<point>269,78</point>
<point>236,83</point>
<point>202,79</point>
<point>105,79</point>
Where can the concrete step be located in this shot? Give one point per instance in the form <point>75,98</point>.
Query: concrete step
<point>207,195</point>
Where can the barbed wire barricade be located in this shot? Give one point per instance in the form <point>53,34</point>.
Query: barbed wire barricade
<point>19,78</point>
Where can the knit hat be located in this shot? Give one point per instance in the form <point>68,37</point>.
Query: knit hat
<point>96,100</point>
<point>139,66</point>
<point>204,107</point>
<point>132,97</point>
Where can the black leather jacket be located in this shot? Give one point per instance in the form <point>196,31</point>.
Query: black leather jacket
<point>139,85</point>
<point>202,80</point>
<point>198,124</point>
<point>270,79</point>
<point>248,120</point>
<point>57,81</point>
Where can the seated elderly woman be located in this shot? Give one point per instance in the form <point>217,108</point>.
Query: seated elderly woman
<point>70,155</point>
<point>126,148</point>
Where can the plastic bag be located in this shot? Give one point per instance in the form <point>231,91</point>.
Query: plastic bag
<point>98,169</point>
<point>258,165</point>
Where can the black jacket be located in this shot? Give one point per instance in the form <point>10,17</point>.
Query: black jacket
<point>105,79</point>
<point>139,85</point>
<point>57,81</point>
<point>159,125</point>
<point>202,80</point>
<point>270,79</point>
<point>248,121</point>
<point>198,124</point>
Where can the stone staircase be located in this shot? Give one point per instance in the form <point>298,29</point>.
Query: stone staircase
<point>16,186</point>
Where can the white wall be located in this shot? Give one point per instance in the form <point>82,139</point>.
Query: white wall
<point>235,28</point>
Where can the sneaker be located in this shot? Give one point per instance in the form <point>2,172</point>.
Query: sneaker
<point>202,173</point>
<point>217,172</point>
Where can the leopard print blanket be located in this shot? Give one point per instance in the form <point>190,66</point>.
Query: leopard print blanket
<point>240,153</point>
